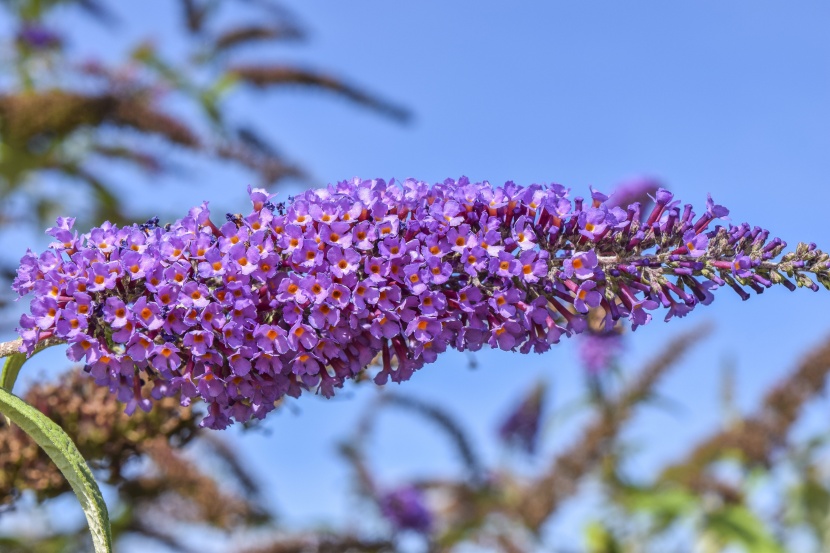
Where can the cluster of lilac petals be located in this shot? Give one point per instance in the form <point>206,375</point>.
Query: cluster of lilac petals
<point>304,296</point>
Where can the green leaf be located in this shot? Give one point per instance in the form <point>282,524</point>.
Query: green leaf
<point>665,506</point>
<point>672,502</point>
<point>60,448</point>
<point>210,97</point>
<point>738,525</point>
<point>600,539</point>
<point>11,368</point>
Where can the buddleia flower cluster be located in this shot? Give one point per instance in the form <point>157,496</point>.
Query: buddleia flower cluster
<point>303,296</point>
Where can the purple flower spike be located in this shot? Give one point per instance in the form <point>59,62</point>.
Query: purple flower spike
<point>275,304</point>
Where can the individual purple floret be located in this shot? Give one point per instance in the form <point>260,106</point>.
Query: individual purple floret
<point>406,509</point>
<point>304,297</point>
<point>521,427</point>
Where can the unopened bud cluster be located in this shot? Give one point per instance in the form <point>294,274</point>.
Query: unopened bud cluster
<point>304,296</point>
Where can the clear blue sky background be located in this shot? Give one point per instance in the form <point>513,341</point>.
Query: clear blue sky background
<point>723,97</point>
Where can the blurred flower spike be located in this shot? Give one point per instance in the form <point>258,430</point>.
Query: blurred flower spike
<point>406,509</point>
<point>640,189</point>
<point>521,428</point>
<point>303,296</point>
<point>37,37</point>
<point>599,350</point>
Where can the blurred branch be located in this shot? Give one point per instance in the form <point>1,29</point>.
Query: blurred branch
<point>541,497</point>
<point>756,438</point>
<point>194,15</point>
<point>353,452</point>
<point>57,113</point>
<point>107,206</point>
<point>270,168</point>
<point>323,544</point>
<point>264,76</point>
<point>143,160</point>
<point>446,422</point>
<point>204,501</point>
<point>149,531</point>
<point>50,119</point>
<point>142,117</point>
<point>99,12</point>
<point>246,34</point>
<point>230,457</point>
<point>26,115</point>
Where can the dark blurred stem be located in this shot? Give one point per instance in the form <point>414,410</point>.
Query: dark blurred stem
<point>757,437</point>
<point>545,494</point>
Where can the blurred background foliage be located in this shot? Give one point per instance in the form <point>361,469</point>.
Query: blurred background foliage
<point>68,124</point>
<point>755,485</point>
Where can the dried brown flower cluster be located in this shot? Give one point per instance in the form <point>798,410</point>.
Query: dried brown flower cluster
<point>58,112</point>
<point>54,113</point>
<point>754,440</point>
<point>104,435</point>
<point>178,490</point>
<point>167,491</point>
<point>542,496</point>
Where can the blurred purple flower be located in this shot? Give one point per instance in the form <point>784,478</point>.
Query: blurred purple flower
<point>406,509</point>
<point>597,350</point>
<point>521,427</point>
<point>38,37</point>
<point>639,189</point>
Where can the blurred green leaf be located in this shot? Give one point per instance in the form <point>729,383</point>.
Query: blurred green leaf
<point>599,539</point>
<point>665,506</point>
<point>737,525</point>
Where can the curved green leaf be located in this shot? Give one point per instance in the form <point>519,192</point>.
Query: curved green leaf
<point>11,368</point>
<point>68,459</point>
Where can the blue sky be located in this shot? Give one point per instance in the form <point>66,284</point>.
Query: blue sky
<point>728,98</point>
